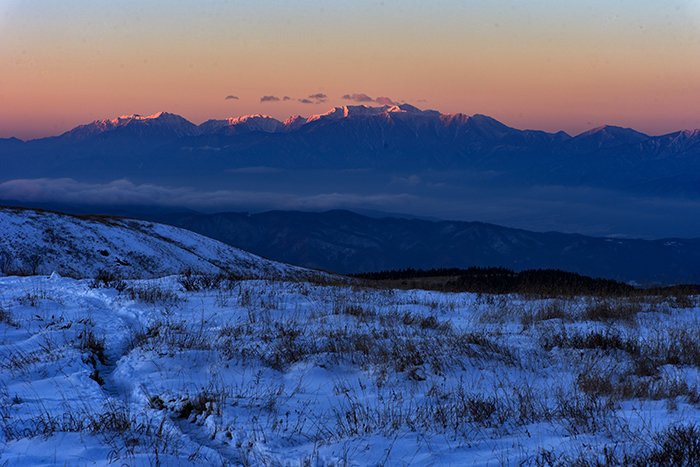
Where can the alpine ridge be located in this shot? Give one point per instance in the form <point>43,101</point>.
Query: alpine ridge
<point>399,112</point>
<point>446,126</point>
<point>390,152</point>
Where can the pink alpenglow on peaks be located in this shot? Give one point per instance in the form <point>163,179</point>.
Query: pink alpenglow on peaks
<point>164,122</point>
<point>253,122</point>
<point>294,122</point>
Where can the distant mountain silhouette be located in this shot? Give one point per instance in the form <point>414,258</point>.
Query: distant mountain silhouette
<point>346,242</point>
<point>400,137</point>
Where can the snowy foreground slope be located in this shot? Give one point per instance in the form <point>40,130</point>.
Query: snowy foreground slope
<point>34,241</point>
<point>210,371</point>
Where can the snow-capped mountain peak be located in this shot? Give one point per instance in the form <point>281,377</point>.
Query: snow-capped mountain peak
<point>162,118</point>
<point>613,131</point>
<point>251,122</point>
<point>145,117</point>
<point>363,121</point>
<point>611,135</point>
<point>163,122</point>
<point>691,134</point>
<point>365,111</point>
<point>294,122</point>
<point>335,113</point>
<point>406,108</point>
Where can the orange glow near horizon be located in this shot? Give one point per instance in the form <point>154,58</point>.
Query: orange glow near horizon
<point>548,65</point>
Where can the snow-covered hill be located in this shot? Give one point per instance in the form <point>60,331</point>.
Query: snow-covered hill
<point>243,371</point>
<point>43,242</point>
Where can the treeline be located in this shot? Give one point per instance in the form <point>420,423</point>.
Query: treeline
<point>411,273</point>
<point>498,280</point>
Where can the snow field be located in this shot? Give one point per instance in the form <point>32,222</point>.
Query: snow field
<point>182,371</point>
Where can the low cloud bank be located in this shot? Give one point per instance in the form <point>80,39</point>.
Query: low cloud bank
<point>459,196</point>
<point>124,192</point>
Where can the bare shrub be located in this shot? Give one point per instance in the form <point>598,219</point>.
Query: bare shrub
<point>356,311</point>
<point>429,322</point>
<point>6,317</point>
<point>26,265</point>
<point>193,281</point>
<point>683,347</point>
<point>286,347</point>
<point>109,280</point>
<point>170,336</point>
<point>678,446</point>
<point>528,406</point>
<point>245,297</point>
<point>33,262</point>
<point>116,418</point>
<point>117,427</point>
<point>153,295</point>
<point>93,349</point>
<point>608,340</point>
<point>33,297</point>
<point>611,311</point>
<point>90,343</point>
<point>681,300</point>
<point>553,309</point>
<point>5,263</point>
<point>407,343</point>
<point>675,347</point>
<point>475,407</point>
<point>206,402</point>
<point>629,386</point>
<point>454,410</point>
<point>587,457</point>
<point>18,359</point>
<point>583,413</point>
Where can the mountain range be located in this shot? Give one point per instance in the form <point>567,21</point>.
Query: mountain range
<point>397,137</point>
<point>609,181</point>
<point>297,244</point>
<point>347,242</point>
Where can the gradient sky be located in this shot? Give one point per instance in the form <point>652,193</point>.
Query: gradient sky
<point>548,64</point>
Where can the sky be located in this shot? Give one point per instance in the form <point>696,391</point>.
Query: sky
<point>547,64</point>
